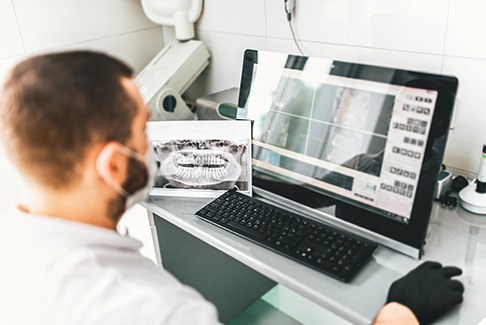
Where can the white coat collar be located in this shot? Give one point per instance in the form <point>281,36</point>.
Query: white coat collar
<point>50,229</point>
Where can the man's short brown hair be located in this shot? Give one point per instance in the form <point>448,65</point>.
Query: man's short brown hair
<point>54,106</point>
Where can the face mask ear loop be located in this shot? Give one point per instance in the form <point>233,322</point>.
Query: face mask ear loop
<point>101,162</point>
<point>131,153</point>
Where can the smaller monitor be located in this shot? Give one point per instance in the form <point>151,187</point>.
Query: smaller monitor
<point>367,141</point>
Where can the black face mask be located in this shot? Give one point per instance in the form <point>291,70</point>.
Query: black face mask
<point>137,176</point>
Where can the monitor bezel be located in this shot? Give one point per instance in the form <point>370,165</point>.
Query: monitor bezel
<point>412,234</point>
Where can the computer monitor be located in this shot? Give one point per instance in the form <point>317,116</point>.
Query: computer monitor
<point>355,145</point>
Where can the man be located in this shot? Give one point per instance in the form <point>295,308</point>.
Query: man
<point>74,125</point>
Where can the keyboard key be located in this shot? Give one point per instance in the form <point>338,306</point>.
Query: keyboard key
<point>250,232</point>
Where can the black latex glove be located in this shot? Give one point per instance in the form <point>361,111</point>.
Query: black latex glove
<point>428,291</point>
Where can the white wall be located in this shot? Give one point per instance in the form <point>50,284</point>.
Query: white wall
<point>118,27</point>
<point>440,36</point>
<point>435,36</point>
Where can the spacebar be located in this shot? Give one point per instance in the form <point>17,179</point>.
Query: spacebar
<point>246,231</point>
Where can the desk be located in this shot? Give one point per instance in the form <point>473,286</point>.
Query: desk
<point>455,238</point>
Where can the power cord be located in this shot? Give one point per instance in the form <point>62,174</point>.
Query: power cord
<point>289,6</point>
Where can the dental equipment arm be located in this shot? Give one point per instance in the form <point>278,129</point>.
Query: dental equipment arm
<point>178,64</point>
<point>168,75</point>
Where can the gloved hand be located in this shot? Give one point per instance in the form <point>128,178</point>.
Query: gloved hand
<point>428,291</point>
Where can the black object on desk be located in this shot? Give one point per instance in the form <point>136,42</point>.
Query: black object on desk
<point>336,253</point>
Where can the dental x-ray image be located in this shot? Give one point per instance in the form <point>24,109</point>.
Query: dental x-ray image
<point>201,158</point>
<point>202,164</point>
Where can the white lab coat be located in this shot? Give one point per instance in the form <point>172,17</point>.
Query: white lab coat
<point>54,271</point>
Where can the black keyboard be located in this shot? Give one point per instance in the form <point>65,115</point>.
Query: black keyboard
<point>333,252</point>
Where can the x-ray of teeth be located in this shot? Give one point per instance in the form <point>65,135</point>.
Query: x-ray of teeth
<point>201,167</point>
<point>202,164</point>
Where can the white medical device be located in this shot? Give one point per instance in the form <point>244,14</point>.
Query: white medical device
<point>178,64</point>
<point>181,14</point>
<point>473,196</point>
<point>168,75</point>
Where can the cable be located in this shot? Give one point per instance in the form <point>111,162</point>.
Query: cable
<point>295,39</point>
<point>289,6</point>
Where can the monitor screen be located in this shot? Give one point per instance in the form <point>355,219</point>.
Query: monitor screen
<point>367,140</point>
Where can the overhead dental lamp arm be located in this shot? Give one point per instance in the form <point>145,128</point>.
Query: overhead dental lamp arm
<point>178,13</point>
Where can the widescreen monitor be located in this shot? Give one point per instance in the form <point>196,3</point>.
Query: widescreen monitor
<point>353,143</point>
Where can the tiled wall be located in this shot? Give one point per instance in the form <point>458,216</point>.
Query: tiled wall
<point>440,36</point>
<point>435,36</point>
<point>27,27</point>
<point>118,27</point>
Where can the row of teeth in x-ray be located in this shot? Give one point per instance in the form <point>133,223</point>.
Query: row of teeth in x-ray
<point>201,173</point>
<point>201,161</point>
<point>200,167</point>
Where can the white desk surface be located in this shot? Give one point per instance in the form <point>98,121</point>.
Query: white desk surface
<point>455,238</point>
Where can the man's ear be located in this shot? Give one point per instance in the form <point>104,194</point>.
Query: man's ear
<point>111,165</point>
